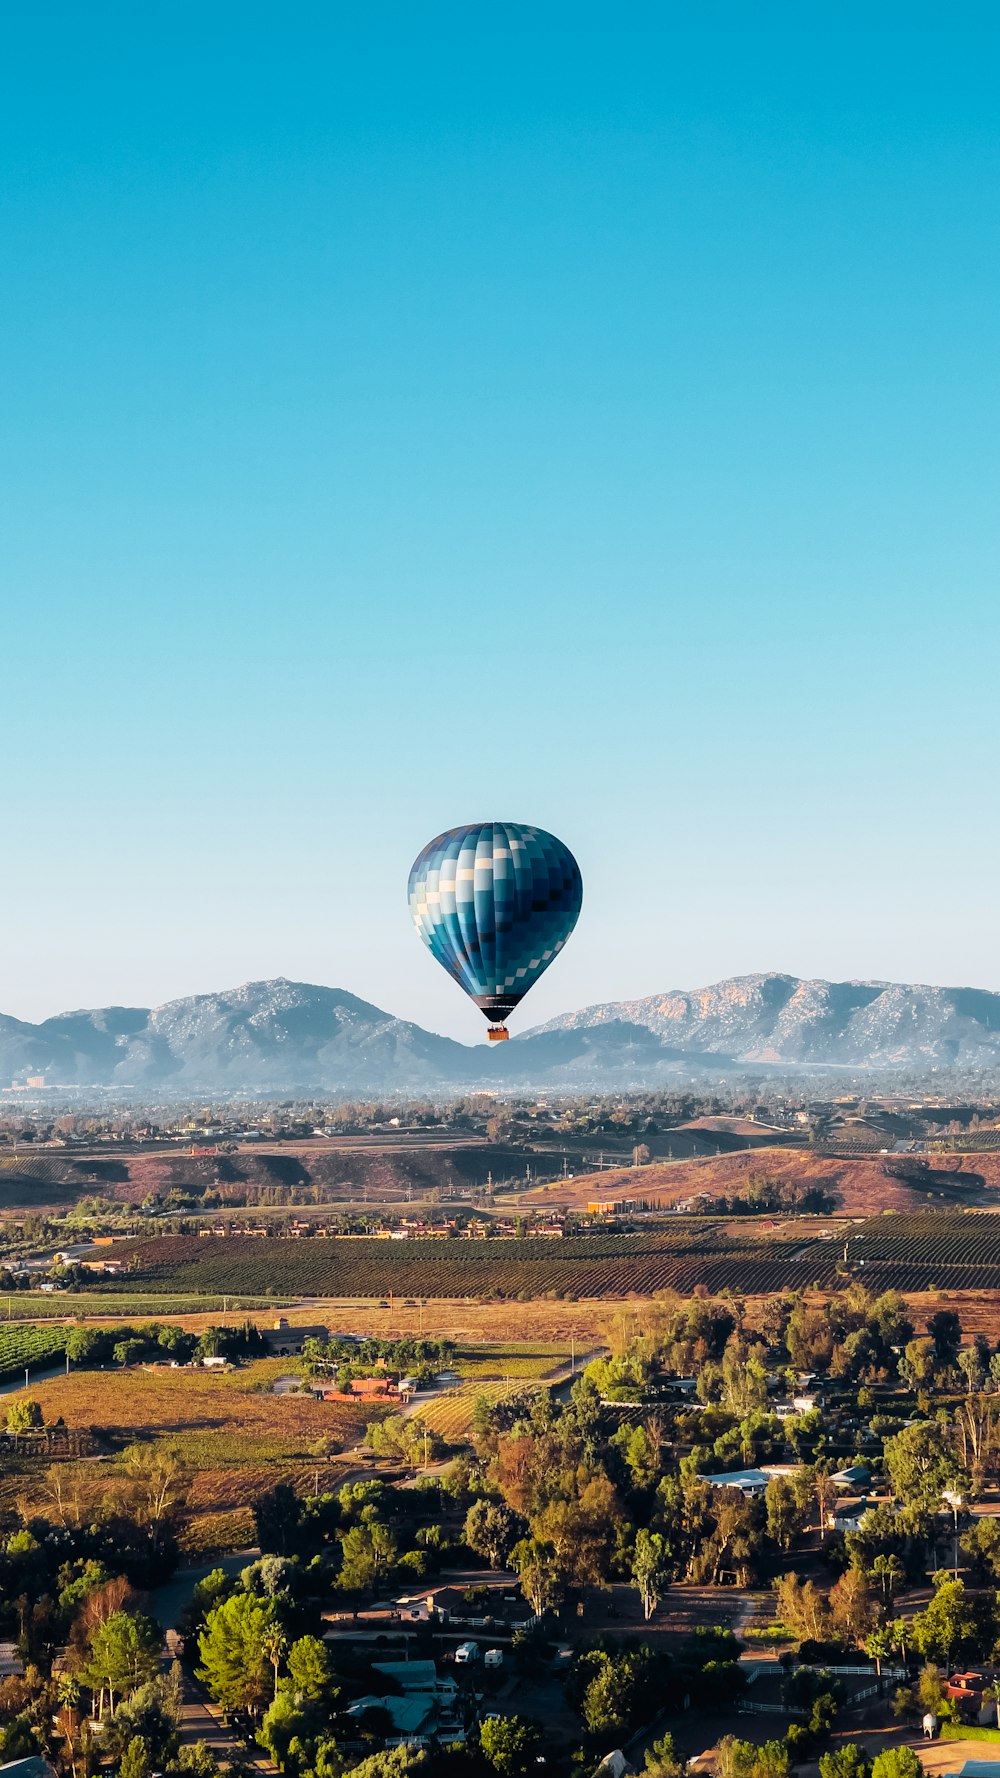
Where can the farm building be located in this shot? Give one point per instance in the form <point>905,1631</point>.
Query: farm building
<point>364,1389</point>
<point>284,1341</point>
<point>750,1482</point>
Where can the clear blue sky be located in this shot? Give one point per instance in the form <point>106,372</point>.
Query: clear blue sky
<point>564,413</point>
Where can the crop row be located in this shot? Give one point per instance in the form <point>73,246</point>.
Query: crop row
<point>26,1305</point>
<point>936,1236</point>
<point>23,1347</point>
<point>639,1265</point>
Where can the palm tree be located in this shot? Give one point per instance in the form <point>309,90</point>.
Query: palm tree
<point>273,1646</point>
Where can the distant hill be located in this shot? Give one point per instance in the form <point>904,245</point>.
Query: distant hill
<point>781,1019</point>
<point>864,1187</point>
<point>281,1036</point>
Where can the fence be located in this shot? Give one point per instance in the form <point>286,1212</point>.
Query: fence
<point>771,1709</point>
<point>859,1697</point>
<point>753,1670</point>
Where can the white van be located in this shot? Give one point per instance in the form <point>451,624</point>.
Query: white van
<point>466,1652</point>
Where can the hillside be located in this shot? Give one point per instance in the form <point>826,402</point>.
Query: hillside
<point>862,1187</point>
<point>780,1019</point>
<point>281,1036</point>
<point>276,1037</point>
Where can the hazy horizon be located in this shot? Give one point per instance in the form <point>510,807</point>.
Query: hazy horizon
<point>520,1022</point>
<point>418,419</point>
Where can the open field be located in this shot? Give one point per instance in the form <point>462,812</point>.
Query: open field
<point>512,1362</point>
<point>215,1419</point>
<point>863,1187</point>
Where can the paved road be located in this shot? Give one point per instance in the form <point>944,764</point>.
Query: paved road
<point>200,1719</point>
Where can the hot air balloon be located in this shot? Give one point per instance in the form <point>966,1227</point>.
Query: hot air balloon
<point>495,903</point>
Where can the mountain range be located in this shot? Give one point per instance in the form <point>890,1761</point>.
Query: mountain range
<point>281,1036</point>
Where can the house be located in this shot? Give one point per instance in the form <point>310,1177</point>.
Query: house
<point>966,1688</point>
<point>751,1482</point>
<point>11,1664</point>
<point>417,1676</point>
<point>283,1341</point>
<point>850,1480</point>
<point>613,1765</point>
<point>413,1718</point>
<point>848,1518</point>
<point>33,1767</point>
<point>428,1706</point>
<point>364,1389</point>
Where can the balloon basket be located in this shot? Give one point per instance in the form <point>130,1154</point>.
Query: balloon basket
<point>498,1034</point>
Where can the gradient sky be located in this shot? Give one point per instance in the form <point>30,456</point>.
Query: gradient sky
<point>574,414</point>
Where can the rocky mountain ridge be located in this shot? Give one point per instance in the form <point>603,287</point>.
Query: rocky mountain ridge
<point>785,1020</point>
<point>282,1036</point>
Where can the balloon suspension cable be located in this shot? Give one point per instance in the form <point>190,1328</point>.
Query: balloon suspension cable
<point>498,1034</point>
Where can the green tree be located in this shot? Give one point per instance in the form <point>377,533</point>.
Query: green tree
<point>198,1761</point>
<point>945,1329</point>
<point>897,1762</point>
<point>310,1671</point>
<point>151,1715</point>
<point>922,1465</point>
<point>232,1647</point>
<point>491,1530</point>
<point>949,1629</point>
<point>396,1762</point>
<point>784,1515</point>
<point>124,1654</point>
<point>650,1569</point>
<point>509,1744</point>
<point>878,1646</point>
<point>744,1759</point>
<point>663,1760</point>
<point>134,1762</point>
<point>367,1552</point>
<point>24,1414</point>
<point>532,1558</point>
<point>285,1721</point>
<point>641,1458</point>
<point>848,1761</point>
<point>84,1345</point>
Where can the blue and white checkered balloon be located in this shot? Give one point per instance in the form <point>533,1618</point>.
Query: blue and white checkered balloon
<point>495,903</point>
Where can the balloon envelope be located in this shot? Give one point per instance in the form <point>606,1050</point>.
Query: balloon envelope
<point>495,903</point>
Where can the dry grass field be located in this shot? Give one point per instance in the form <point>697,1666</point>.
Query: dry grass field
<point>864,1187</point>
<point>214,1418</point>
